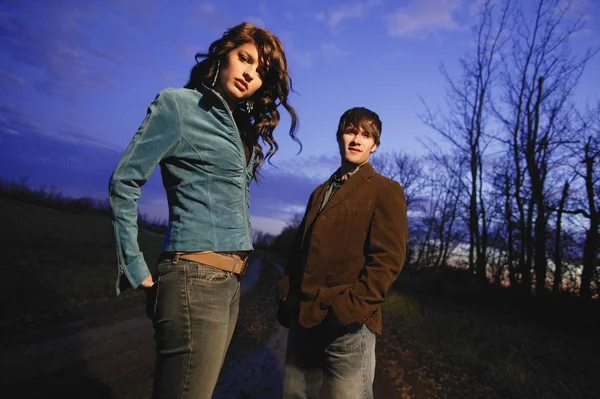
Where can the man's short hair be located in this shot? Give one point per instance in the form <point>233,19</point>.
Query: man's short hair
<point>358,118</point>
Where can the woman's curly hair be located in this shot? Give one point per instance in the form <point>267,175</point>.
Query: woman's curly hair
<point>262,119</point>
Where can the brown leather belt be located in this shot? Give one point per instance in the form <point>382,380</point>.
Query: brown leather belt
<point>230,262</point>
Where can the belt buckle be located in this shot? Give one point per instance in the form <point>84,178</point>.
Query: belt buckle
<point>171,257</point>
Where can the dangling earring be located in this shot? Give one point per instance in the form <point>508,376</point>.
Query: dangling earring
<point>216,74</point>
<point>249,106</point>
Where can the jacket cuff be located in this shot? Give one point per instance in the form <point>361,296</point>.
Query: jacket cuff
<point>136,271</point>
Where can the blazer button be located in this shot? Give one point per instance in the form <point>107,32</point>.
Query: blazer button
<point>323,306</point>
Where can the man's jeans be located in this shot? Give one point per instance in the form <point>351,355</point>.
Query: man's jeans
<point>343,358</point>
<point>194,316</point>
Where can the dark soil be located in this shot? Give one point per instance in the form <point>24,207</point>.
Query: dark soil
<point>105,349</point>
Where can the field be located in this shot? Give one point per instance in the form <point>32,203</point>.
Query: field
<point>54,262</point>
<point>479,348</point>
<point>59,268</point>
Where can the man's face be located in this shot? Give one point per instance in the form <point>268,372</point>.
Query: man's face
<point>356,146</point>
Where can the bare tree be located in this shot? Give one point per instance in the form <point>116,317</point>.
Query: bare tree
<point>500,222</point>
<point>408,171</point>
<point>405,169</point>
<point>465,124</point>
<point>262,239</point>
<point>591,160</point>
<point>507,188</point>
<point>284,240</point>
<point>588,171</point>
<point>539,79</point>
<point>558,252</point>
<point>438,220</point>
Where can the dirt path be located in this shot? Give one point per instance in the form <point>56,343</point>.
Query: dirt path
<point>109,356</point>
<point>112,356</point>
<point>113,361</point>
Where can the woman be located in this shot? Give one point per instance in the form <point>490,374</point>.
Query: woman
<point>206,139</point>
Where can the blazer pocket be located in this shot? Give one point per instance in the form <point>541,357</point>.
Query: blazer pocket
<point>335,280</point>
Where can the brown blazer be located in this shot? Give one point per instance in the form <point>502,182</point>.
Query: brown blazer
<point>346,258</point>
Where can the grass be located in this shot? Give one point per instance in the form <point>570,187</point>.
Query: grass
<point>54,260</point>
<point>477,352</point>
<point>433,346</point>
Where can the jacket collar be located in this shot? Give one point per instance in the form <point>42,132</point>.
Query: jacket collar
<point>210,98</point>
<point>356,181</point>
<point>359,179</point>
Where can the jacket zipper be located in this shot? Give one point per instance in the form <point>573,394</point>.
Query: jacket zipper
<point>241,149</point>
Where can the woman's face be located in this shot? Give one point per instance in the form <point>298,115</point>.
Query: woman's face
<point>238,75</point>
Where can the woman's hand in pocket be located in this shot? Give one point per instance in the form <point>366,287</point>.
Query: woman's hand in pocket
<point>149,287</point>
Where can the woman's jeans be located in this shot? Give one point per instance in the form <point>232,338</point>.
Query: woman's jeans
<point>342,357</point>
<point>194,316</point>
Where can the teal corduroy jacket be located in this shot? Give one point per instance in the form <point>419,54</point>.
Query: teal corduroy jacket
<point>195,140</point>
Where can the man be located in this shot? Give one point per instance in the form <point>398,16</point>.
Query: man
<point>349,249</point>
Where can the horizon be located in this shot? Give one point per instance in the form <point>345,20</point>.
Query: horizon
<point>77,79</point>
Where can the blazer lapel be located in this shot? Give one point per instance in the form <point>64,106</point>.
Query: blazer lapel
<point>352,185</point>
<point>314,206</point>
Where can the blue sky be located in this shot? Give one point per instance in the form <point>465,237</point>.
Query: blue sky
<point>76,78</point>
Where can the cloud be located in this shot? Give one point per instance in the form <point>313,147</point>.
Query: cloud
<point>72,169</point>
<point>207,8</point>
<point>57,41</point>
<point>169,74</point>
<point>188,51</point>
<point>76,134</point>
<point>59,162</point>
<point>77,164</point>
<point>267,225</point>
<point>331,51</point>
<point>258,21</point>
<point>588,12</point>
<point>312,167</point>
<point>284,191</point>
<point>220,18</point>
<point>279,197</point>
<point>578,7</point>
<point>422,18</point>
<point>300,57</point>
<point>294,54</point>
<point>327,50</point>
<point>355,10</point>
<point>74,163</point>
<point>11,78</point>
<point>14,122</point>
<point>210,15</point>
<point>289,15</point>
